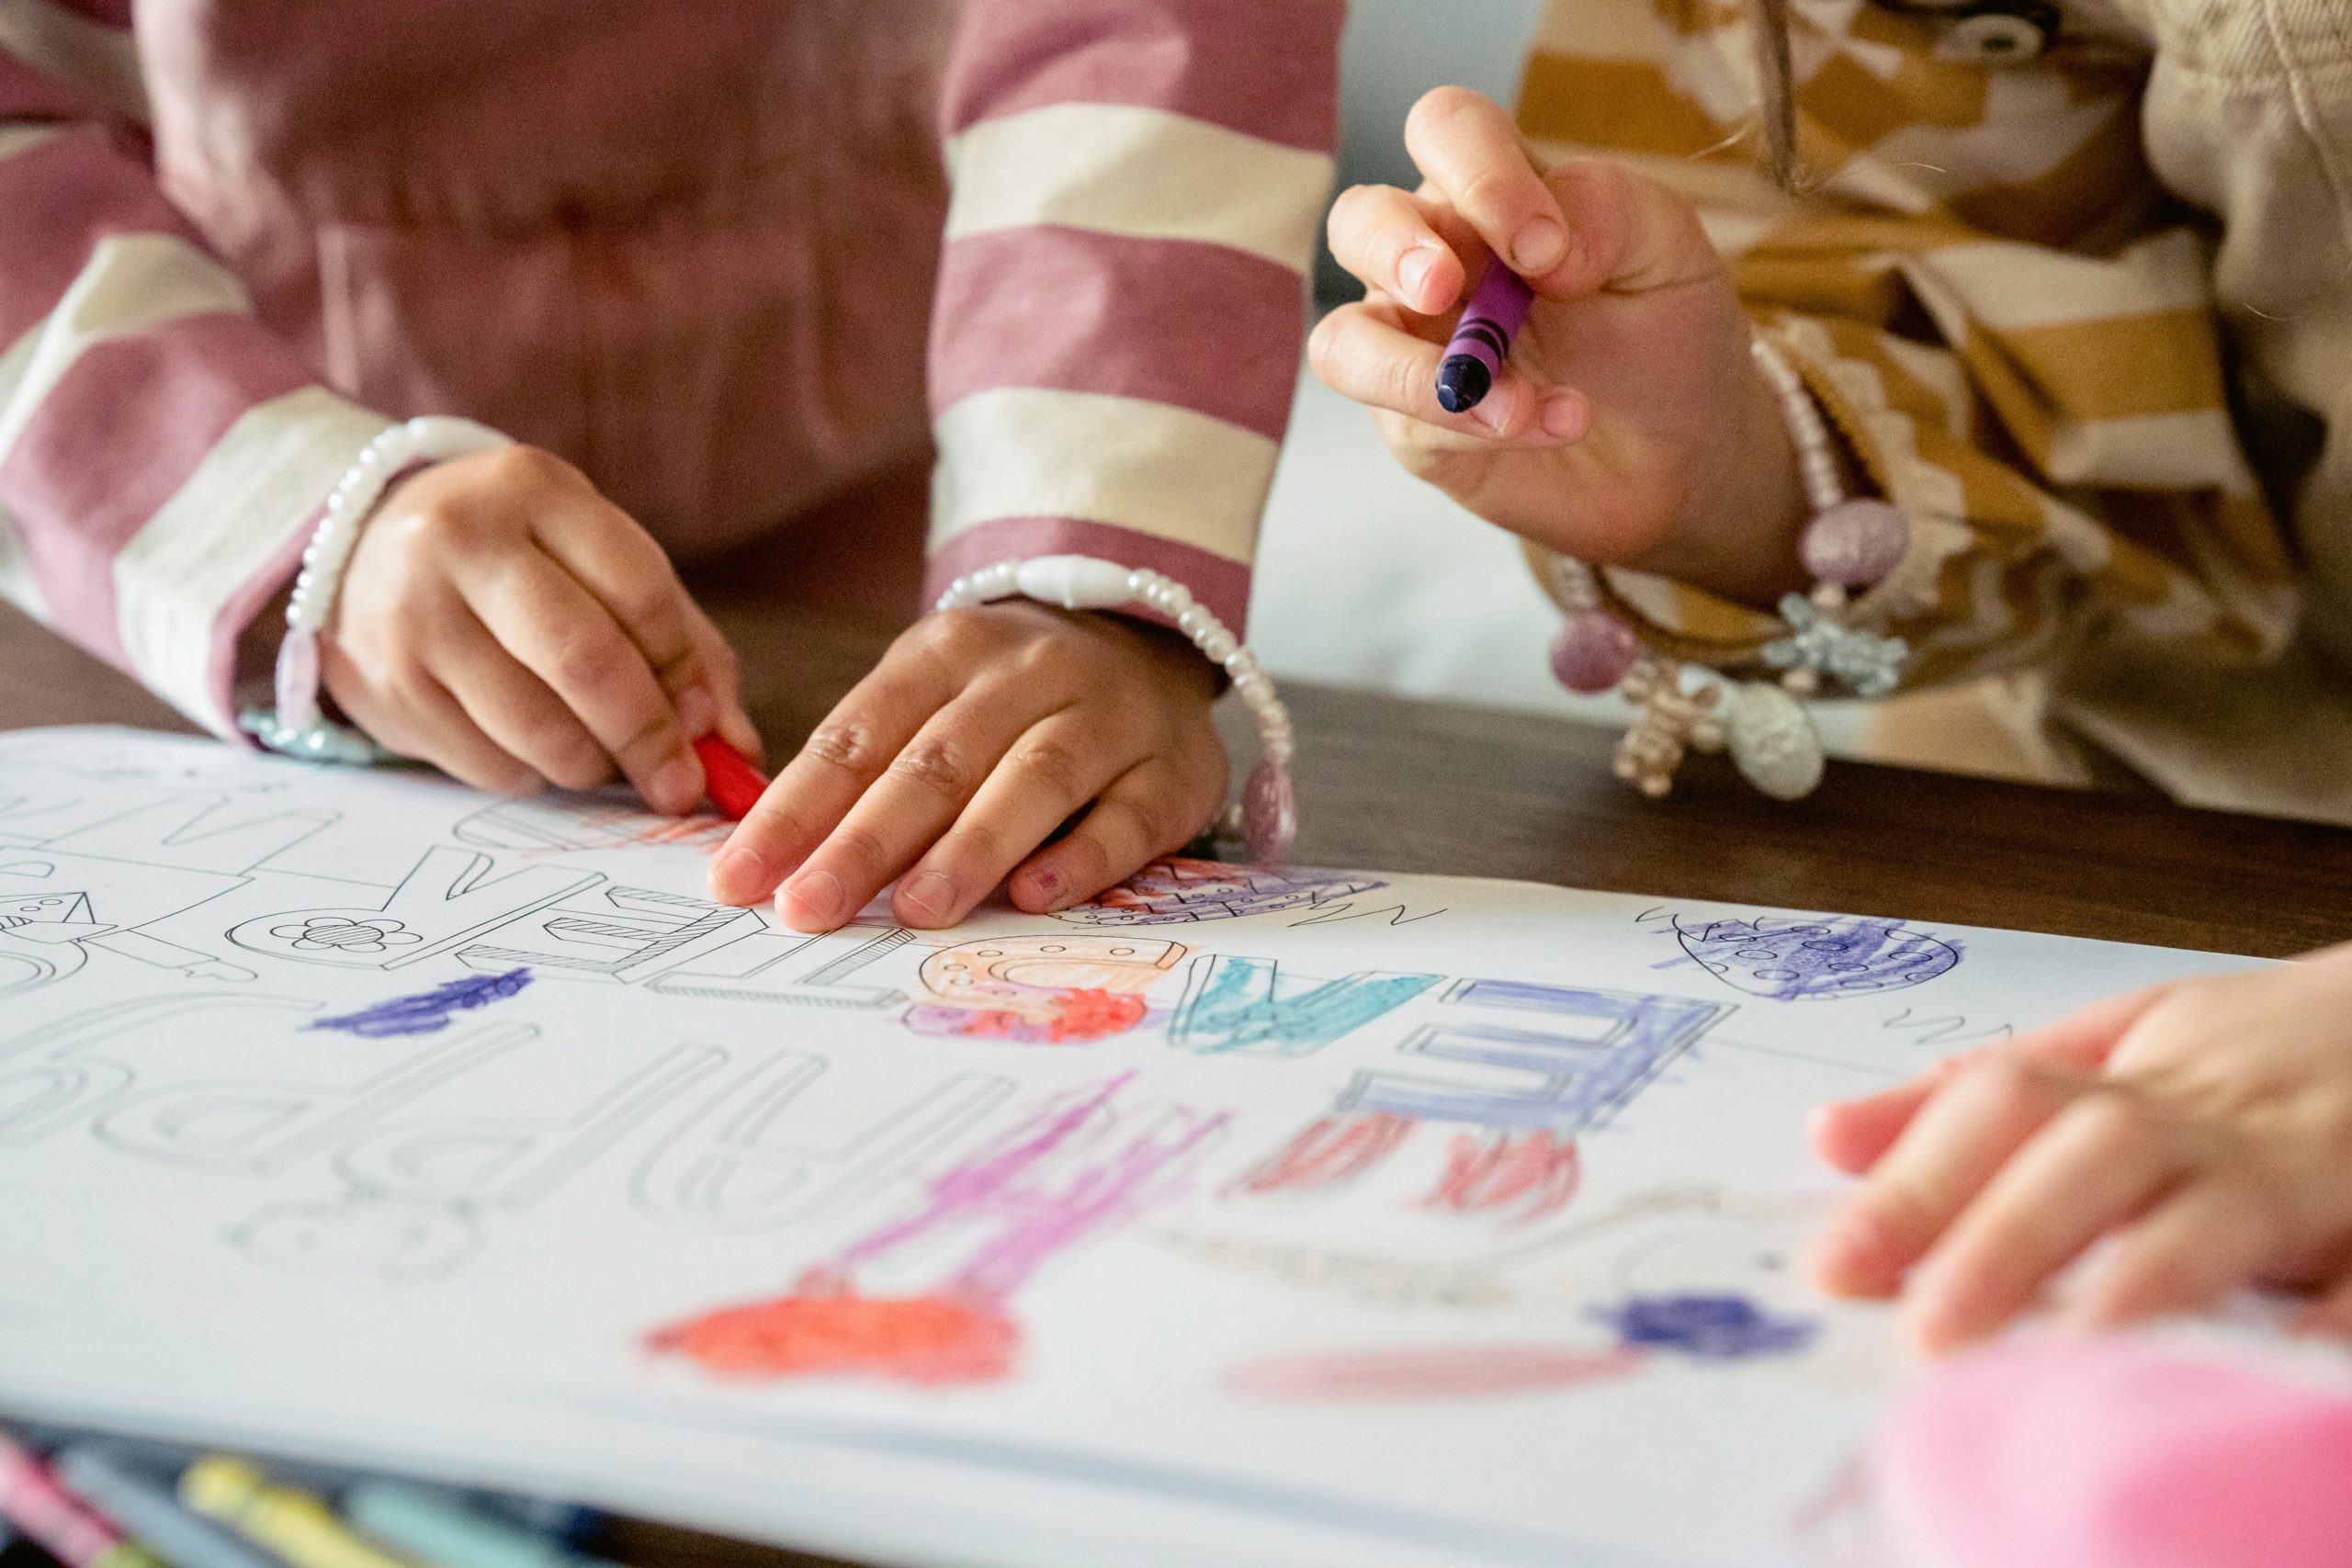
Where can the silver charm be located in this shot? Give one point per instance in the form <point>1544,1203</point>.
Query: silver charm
<point>1819,644</point>
<point>1773,741</point>
<point>323,741</point>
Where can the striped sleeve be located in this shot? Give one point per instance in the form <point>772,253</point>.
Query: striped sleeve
<point>1136,185</point>
<point>163,456</point>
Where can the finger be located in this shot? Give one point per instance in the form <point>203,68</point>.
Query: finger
<point>412,715</point>
<point>564,635</point>
<point>917,796</point>
<point>2185,1256</point>
<point>513,707</point>
<point>1964,1133</point>
<point>1049,771</point>
<point>2331,1315</point>
<point>1399,243</point>
<point>2095,1166</point>
<point>920,674</point>
<point>1147,812</point>
<point>733,723</point>
<point>1853,1135</point>
<point>1627,233</point>
<point>1478,164</point>
<point>1360,352</point>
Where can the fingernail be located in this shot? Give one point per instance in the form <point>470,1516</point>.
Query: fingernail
<point>1046,888</point>
<point>1413,272</point>
<point>696,711</point>
<point>816,895</point>
<point>929,894</point>
<point>1564,417</point>
<point>1493,412</point>
<point>1540,245</point>
<point>676,786</point>
<point>737,876</point>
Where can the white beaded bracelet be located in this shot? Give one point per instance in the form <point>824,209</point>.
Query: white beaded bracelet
<point>1846,544</point>
<point>297,727</point>
<point>1268,820</point>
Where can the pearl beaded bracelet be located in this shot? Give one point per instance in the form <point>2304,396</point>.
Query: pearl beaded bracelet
<point>296,727</point>
<point>1848,544</point>
<point>1268,818</point>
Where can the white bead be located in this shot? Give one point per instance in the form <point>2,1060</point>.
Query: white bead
<point>1773,741</point>
<point>1218,645</point>
<point>1074,582</point>
<point>1195,621</point>
<point>1241,664</point>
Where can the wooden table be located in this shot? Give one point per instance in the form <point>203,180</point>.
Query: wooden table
<point>1391,785</point>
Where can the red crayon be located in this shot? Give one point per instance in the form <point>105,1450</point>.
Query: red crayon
<point>733,784</point>
<point>37,1503</point>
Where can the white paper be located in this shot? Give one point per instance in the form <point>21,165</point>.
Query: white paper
<point>1311,1217</point>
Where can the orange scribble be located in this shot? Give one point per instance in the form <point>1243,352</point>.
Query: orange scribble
<point>1534,1173</point>
<point>1072,1016</point>
<point>929,1339</point>
<point>1453,1373</point>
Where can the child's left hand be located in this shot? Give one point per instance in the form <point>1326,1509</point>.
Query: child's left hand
<point>981,732</point>
<point>2206,1125</point>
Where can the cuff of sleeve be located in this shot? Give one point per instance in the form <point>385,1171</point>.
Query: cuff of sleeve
<point>227,541</point>
<point>1220,584</point>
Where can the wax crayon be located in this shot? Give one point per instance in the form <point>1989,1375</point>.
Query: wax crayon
<point>1481,340</point>
<point>44,1510</point>
<point>296,1525</point>
<point>733,784</point>
<point>141,1502</point>
<point>436,1526</point>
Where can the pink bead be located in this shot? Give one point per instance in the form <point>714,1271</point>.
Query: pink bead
<point>1269,814</point>
<point>1855,541</point>
<point>1592,651</point>
<point>298,673</point>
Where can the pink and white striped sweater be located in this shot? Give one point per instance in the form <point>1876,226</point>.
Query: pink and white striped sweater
<point>694,249</point>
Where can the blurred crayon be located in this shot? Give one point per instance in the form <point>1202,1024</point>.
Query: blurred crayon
<point>729,779</point>
<point>41,1509</point>
<point>140,1501</point>
<point>296,1525</point>
<point>436,1526</point>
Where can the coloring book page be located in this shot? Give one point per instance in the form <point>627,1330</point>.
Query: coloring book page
<point>1244,1217</point>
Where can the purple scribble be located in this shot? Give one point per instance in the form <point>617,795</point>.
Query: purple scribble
<point>1712,1328</point>
<point>429,1011</point>
<point>1186,892</point>
<point>1793,958</point>
<point>1035,1211</point>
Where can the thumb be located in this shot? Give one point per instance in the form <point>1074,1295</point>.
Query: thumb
<point>1627,234</point>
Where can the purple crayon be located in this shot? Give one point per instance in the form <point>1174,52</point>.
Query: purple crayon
<point>1475,354</point>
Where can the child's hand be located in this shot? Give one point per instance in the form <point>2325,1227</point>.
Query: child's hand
<point>1629,426</point>
<point>503,621</point>
<point>980,733</point>
<point>2207,1125</point>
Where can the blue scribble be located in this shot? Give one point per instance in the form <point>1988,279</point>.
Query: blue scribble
<point>1248,1004</point>
<point>1791,958</point>
<point>429,1011</point>
<point>1712,1328</point>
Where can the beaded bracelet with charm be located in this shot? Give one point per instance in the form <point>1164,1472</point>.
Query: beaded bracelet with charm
<point>1266,821</point>
<point>1849,544</point>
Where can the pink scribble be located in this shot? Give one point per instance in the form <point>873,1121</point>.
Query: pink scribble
<point>959,1329</point>
<point>1334,1151</point>
<point>1525,1176</point>
<point>1450,1372</point>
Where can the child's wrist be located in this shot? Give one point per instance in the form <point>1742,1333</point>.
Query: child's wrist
<point>1739,535</point>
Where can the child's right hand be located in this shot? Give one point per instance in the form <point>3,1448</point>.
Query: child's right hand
<point>507,623</point>
<point>1630,425</point>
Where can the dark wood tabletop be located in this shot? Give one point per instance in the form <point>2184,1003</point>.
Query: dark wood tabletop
<point>1392,785</point>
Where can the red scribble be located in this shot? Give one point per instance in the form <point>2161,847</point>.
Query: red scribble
<point>1329,1153</point>
<point>1076,1017</point>
<point>1487,1173</point>
<point>931,1339</point>
<point>1457,1372</point>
